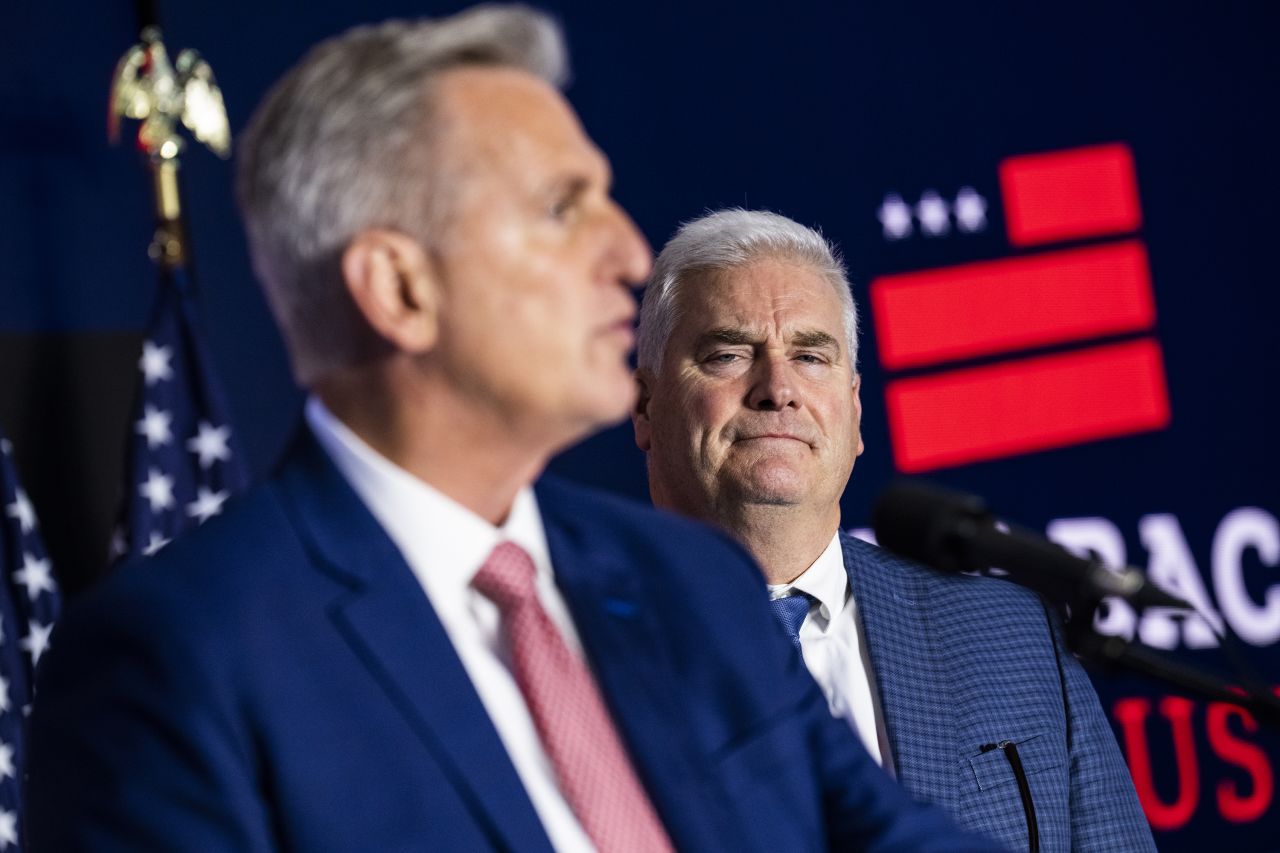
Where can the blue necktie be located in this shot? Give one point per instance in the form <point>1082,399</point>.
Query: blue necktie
<point>791,611</point>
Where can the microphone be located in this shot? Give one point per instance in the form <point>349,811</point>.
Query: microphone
<point>954,532</point>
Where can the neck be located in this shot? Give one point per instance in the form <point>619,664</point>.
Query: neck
<point>785,540</point>
<point>448,442</point>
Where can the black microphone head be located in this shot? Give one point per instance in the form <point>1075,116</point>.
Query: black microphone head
<point>920,521</point>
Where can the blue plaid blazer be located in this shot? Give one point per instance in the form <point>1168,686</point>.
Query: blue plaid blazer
<point>967,666</point>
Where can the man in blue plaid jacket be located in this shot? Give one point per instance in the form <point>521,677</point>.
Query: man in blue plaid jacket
<point>959,686</point>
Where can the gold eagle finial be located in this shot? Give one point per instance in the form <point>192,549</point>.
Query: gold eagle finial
<point>147,87</point>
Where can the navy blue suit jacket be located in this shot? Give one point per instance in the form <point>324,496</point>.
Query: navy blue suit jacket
<point>963,663</point>
<point>279,680</point>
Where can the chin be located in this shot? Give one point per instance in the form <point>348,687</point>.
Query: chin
<point>623,391</point>
<point>770,492</point>
<point>609,402</point>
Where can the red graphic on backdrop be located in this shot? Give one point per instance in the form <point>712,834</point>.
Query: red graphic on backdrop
<point>1132,715</point>
<point>930,318</point>
<point>1246,789</point>
<point>1240,803</point>
<point>1025,405</point>
<point>1066,195</point>
<point>1015,303</point>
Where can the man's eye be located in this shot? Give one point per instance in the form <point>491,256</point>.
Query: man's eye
<point>810,358</point>
<point>561,209</point>
<point>723,358</point>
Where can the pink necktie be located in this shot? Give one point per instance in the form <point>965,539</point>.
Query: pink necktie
<point>595,774</point>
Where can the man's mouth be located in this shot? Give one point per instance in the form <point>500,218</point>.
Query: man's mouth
<point>772,436</point>
<point>623,329</point>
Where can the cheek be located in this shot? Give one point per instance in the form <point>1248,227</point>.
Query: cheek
<point>517,271</point>
<point>703,413</point>
<point>850,431</point>
<point>484,289</point>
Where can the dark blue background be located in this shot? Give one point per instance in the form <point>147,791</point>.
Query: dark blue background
<point>813,109</point>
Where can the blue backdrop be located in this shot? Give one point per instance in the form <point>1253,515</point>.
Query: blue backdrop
<point>885,124</point>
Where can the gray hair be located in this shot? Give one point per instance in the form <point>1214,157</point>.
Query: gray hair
<point>724,240</point>
<point>342,143</point>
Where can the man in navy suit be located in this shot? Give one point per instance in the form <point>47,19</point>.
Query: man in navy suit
<point>749,412</point>
<point>400,641</point>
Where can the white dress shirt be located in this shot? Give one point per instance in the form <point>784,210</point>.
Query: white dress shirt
<point>835,650</point>
<point>445,544</point>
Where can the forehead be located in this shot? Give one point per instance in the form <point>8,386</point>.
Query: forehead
<point>507,119</point>
<point>767,296</point>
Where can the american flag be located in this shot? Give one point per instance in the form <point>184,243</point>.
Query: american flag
<point>29,605</point>
<point>183,461</point>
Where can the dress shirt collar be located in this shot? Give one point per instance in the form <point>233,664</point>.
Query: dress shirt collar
<point>825,581</point>
<point>413,513</point>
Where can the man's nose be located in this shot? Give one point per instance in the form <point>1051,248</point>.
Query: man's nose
<point>773,387</point>
<point>629,250</point>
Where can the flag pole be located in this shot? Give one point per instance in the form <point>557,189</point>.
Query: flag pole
<point>182,457</point>
<point>148,14</point>
<point>161,95</point>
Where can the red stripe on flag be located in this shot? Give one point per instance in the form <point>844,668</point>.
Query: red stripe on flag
<point>1063,195</point>
<point>996,306</point>
<point>1017,407</point>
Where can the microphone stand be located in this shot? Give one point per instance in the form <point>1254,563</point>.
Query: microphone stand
<point>1119,653</point>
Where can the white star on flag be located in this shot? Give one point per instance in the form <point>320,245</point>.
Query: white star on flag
<point>207,504</point>
<point>933,215</point>
<point>34,575</point>
<point>210,443</point>
<point>155,363</point>
<point>154,543</point>
<point>180,439</point>
<point>8,829</point>
<point>22,510</point>
<point>971,210</point>
<point>32,605</point>
<point>158,490</point>
<point>37,641</point>
<point>155,425</point>
<point>895,217</point>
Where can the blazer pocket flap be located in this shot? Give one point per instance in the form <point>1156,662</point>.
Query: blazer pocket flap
<point>1038,753</point>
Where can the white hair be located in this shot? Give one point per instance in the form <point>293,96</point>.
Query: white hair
<point>727,239</point>
<point>343,143</point>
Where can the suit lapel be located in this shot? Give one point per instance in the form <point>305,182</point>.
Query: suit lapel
<point>892,601</point>
<point>392,627</point>
<point>605,592</point>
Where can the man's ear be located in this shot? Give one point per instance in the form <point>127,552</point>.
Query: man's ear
<point>393,283</point>
<point>640,414</point>
<point>857,411</point>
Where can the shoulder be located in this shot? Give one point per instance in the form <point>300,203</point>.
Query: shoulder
<point>665,546</point>
<point>559,496</point>
<point>995,598</point>
<point>251,527</point>
<point>859,554</point>
<point>593,511</point>
<point>200,579</point>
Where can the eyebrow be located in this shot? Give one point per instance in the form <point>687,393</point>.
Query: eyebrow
<point>571,188</point>
<point>814,340</point>
<point>576,182</point>
<point>733,336</point>
<point>727,335</point>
